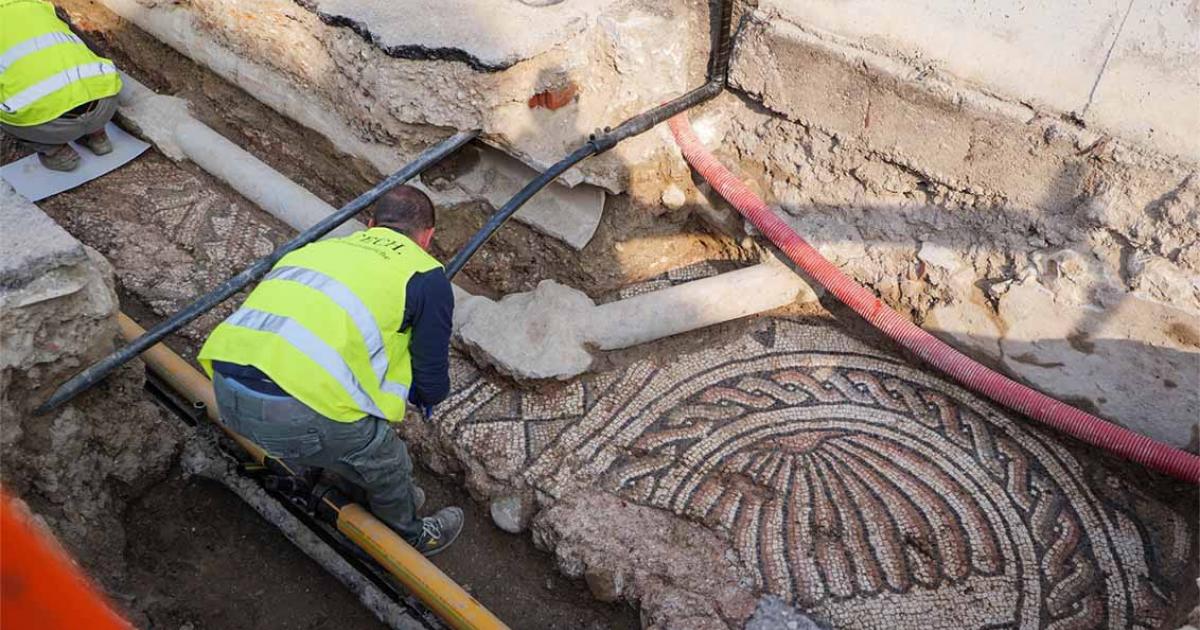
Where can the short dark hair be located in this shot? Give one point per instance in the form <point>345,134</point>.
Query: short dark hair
<point>404,208</point>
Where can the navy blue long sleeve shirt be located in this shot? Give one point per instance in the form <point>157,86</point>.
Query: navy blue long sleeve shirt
<point>429,313</point>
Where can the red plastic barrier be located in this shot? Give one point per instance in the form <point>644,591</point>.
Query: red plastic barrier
<point>40,588</point>
<point>1003,390</point>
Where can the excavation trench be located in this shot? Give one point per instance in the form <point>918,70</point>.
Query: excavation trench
<point>172,232</point>
<point>157,275</point>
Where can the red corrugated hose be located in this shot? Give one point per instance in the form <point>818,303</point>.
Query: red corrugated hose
<point>1003,390</point>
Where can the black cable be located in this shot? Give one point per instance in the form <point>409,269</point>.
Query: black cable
<point>97,371</point>
<point>718,69</point>
<point>720,17</point>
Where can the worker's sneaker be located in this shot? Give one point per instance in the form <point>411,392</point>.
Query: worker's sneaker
<point>418,498</point>
<point>60,158</point>
<point>97,142</point>
<point>439,530</point>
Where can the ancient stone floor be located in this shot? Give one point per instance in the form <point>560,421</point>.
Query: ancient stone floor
<point>858,487</point>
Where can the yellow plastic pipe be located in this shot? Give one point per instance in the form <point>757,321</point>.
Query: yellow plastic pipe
<point>186,380</point>
<point>441,594</point>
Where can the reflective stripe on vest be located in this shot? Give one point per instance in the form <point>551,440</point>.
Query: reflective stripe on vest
<point>30,46</point>
<point>56,82</point>
<point>358,312</point>
<point>311,346</point>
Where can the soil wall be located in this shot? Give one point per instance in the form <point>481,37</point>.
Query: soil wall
<point>78,467</point>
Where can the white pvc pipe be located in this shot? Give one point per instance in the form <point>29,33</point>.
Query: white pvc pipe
<point>166,121</point>
<point>698,304</point>
<point>255,180</point>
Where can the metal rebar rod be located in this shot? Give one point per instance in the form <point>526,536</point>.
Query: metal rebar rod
<point>97,371</point>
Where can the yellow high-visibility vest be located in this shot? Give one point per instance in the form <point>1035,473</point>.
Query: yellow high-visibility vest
<point>324,325</point>
<point>45,69</point>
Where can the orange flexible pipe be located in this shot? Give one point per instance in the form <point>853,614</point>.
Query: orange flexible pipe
<point>441,594</point>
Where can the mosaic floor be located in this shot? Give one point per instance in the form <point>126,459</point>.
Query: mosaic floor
<point>172,232</point>
<point>850,483</point>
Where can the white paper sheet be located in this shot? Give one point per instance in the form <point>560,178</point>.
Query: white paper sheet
<point>36,182</point>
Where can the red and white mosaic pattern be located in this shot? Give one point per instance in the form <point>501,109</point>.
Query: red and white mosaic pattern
<point>857,486</point>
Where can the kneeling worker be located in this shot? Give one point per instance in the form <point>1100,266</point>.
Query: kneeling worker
<point>53,89</point>
<point>330,348</point>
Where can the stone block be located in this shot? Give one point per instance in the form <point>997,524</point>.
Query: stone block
<point>511,513</point>
<point>532,335</point>
<point>486,34</point>
<point>31,243</point>
<point>773,613</point>
<point>568,214</point>
<point>56,297</point>
<point>77,466</point>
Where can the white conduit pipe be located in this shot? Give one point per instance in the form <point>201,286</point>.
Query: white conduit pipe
<point>165,121</point>
<point>697,304</point>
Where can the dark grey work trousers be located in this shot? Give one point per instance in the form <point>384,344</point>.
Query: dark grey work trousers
<point>366,453</point>
<point>69,127</point>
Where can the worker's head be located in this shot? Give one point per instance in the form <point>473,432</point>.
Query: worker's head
<point>407,210</point>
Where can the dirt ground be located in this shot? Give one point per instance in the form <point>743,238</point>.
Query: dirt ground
<point>192,540</point>
<point>200,558</point>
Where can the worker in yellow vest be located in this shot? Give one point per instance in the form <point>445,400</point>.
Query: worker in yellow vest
<point>331,348</point>
<point>53,89</point>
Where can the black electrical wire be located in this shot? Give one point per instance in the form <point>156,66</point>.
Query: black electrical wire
<point>721,17</point>
<point>718,67</point>
<point>97,371</point>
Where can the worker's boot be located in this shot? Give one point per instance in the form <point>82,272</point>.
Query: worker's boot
<point>60,158</point>
<point>97,142</point>
<point>439,530</point>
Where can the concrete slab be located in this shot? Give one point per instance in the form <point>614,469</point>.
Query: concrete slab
<point>1135,77</point>
<point>873,98</point>
<point>1047,52</point>
<point>569,214</point>
<point>31,243</point>
<point>487,34</point>
<point>1150,89</point>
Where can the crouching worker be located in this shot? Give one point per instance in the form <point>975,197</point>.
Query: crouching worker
<point>332,346</point>
<point>53,89</point>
